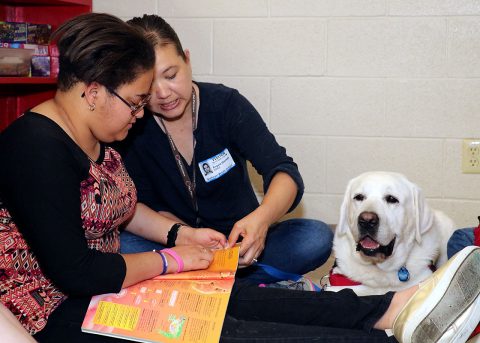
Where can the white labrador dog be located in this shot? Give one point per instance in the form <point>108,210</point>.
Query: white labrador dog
<point>388,238</point>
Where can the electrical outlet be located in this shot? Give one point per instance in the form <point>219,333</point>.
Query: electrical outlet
<point>471,156</point>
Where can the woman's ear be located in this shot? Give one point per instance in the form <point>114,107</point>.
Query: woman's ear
<point>90,93</point>
<point>187,56</point>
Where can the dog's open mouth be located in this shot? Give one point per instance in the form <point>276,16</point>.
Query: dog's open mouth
<point>370,247</point>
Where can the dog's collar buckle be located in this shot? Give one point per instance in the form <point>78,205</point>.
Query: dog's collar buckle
<point>403,274</point>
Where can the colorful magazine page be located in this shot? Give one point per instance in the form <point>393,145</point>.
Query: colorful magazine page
<point>168,309</point>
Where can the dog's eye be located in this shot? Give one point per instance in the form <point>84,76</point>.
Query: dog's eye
<point>391,199</point>
<point>359,197</point>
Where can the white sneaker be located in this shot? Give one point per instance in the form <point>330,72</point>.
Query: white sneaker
<point>446,307</point>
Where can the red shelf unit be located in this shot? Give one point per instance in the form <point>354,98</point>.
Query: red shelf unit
<point>18,94</point>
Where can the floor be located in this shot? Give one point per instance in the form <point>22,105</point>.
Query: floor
<point>317,274</point>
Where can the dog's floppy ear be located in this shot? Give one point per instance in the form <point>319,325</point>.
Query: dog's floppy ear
<point>343,223</point>
<point>423,214</point>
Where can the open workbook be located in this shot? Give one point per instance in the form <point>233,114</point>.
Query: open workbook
<point>185,307</point>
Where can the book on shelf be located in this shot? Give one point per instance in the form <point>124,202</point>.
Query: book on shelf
<point>184,307</point>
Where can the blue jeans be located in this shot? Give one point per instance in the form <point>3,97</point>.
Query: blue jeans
<point>295,246</point>
<point>460,239</point>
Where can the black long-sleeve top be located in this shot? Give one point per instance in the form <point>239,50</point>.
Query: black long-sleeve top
<point>59,219</point>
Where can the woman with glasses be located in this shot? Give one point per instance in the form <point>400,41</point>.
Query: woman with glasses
<point>64,193</point>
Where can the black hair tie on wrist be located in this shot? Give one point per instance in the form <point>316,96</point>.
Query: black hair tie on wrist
<point>172,234</point>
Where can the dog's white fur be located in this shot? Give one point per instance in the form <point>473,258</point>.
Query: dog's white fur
<point>420,233</point>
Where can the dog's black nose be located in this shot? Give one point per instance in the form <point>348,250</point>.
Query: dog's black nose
<point>368,221</point>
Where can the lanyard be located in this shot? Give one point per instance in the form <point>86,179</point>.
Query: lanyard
<point>189,185</point>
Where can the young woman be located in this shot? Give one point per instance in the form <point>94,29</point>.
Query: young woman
<point>64,193</point>
<point>189,162</point>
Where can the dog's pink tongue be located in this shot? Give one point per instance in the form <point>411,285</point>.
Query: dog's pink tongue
<point>369,243</point>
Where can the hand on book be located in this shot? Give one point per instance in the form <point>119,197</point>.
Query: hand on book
<point>194,257</point>
<point>253,231</point>
<point>206,237</point>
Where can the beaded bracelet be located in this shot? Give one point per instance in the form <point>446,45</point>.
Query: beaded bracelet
<point>164,259</point>
<point>176,257</point>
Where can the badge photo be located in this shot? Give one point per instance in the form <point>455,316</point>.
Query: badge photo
<point>214,167</point>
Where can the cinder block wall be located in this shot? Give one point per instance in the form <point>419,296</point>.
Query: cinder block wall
<point>347,85</point>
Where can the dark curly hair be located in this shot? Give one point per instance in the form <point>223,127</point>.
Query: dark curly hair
<point>99,47</point>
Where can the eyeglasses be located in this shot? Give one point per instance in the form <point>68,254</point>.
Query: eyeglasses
<point>134,108</point>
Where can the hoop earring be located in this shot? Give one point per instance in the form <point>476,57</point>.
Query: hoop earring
<point>91,107</point>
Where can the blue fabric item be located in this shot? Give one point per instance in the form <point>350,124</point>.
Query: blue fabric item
<point>295,245</point>
<point>131,244</point>
<point>460,239</point>
<point>277,273</point>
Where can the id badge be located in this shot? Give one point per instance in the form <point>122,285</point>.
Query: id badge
<point>214,167</point>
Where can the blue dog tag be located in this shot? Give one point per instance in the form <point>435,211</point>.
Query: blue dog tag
<point>403,274</point>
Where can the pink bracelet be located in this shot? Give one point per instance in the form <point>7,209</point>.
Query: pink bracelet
<point>176,257</point>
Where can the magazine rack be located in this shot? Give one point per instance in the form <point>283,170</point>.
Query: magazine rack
<point>18,94</point>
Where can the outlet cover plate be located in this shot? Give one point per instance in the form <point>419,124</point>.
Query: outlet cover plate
<point>471,156</point>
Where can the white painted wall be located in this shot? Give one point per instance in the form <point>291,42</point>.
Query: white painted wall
<point>347,85</point>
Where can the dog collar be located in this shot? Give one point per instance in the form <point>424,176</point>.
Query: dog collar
<point>476,234</point>
<point>336,279</point>
<point>403,274</point>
